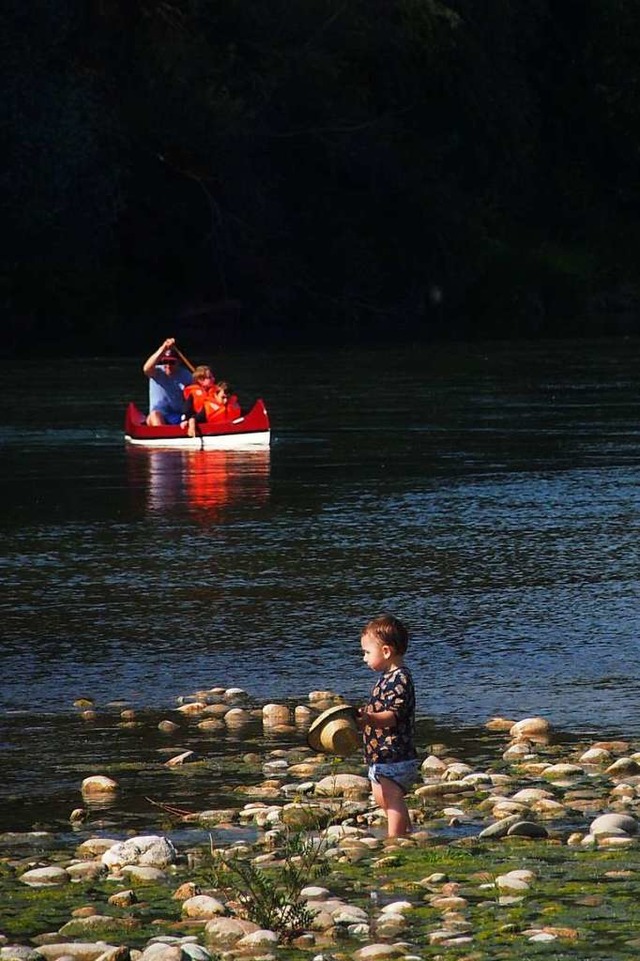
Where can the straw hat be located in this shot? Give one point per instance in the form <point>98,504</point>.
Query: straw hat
<point>335,731</point>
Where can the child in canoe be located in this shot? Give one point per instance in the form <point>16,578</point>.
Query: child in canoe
<point>206,401</point>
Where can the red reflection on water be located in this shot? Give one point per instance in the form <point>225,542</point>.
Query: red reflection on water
<point>204,482</point>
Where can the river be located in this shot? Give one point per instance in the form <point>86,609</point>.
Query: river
<point>486,494</point>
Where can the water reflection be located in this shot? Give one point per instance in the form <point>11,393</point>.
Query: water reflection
<point>204,482</point>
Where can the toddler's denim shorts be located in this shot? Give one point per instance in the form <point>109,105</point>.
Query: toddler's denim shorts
<point>404,773</point>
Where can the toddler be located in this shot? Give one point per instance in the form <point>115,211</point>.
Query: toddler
<point>387,721</point>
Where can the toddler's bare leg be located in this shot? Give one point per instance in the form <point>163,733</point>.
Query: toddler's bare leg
<point>390,797</point>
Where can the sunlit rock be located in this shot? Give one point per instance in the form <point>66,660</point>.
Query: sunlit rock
<point>98,785</point>
<point>276,714</point>
<point>168,727</point>
<point>227,931</point>
<point>237,717</point>
<point>528,726</point>
<point>203,906</point>
<point>499,724</point>
<point>45,877</point>
<point>149,849</point>
<point>193,707</point>
<point>614,824</point>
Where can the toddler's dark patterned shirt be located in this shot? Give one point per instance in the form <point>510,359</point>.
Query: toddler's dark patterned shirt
<point>393,691</point>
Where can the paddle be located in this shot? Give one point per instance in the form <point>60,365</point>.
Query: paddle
<point>187,363</point>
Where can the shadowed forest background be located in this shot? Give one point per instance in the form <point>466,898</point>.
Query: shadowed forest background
<point>335,171</point>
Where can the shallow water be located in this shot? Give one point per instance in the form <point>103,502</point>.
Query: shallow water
<point>488,495</point>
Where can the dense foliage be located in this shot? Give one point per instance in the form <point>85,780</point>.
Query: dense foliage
<point>277,171</point>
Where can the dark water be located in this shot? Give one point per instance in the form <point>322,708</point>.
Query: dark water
<point>488,495</point>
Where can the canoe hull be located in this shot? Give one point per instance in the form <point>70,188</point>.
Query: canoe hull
<point>249,431</point>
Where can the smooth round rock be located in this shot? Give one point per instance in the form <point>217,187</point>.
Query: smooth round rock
<point>614,823</point>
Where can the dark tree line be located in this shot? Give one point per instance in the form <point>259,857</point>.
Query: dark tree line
<point>279,171</point>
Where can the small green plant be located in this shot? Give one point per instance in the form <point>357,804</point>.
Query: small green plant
<point>271,897</point>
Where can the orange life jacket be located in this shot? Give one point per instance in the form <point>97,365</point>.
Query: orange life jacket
<point>199,395</point>
<point>214,410</point>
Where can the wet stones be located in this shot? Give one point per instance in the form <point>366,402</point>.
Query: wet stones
<point>150,850</point>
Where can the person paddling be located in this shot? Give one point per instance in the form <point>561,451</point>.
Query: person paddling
<point>167,379</point>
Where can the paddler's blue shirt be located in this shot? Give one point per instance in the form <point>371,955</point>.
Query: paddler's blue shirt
<point>165,393</point>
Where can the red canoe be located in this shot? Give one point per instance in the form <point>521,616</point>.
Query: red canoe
<point>249,430</point>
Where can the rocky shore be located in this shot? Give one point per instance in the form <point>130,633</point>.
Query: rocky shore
<point>536,852</point>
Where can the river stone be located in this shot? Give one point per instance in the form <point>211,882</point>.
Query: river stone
<point>78,950</point>
<point>322,921</point>
<point>94,847</point>
<point>211,724</point>
<point>456,771</point>
<point>499,724</point>
<point>43,877</point>
<point>348,785</point>
<point>203,906</point>
<point>188,889</point>
<point>517,751</point>
<point>144,873</point>
<point>477,779</point>
<point>613,824</point>
<point>350,914</point>
<point>303,769</point>
<point>530,725</point>
<point>508,882</point>
<point>562,770</point>
<point>161,951</point>
<point>234,694</point>
<point>500,828</point>
<point>150,849</point>
<point>397,907</point>
<point>447,902</point>
<point>314,892</point>
<point>615,841</point>
<point>98,785</point>
<point>548,808</point>
<point>595,756</point>
<point>276,714</point>
<point>168,727</point>
<point>227,931</point>
<point>624,765</point>
<point>85,870</point>
<point>527,829</point>
<point>237,717</point>
<point>529,794</point>
<point>439,788</point>
<point>194,952</point>
<point>217,710</point>
<point>506,808</point>
<point>322,696</point>
<point>377,952</point>
<point>623,790</point>
<point>18,952</point>
<point>123,899</point>
<point>433,765</point>
<point>261,938</point>
<point>615,747</point>
<point>222,816</point>
<point>84,927</point>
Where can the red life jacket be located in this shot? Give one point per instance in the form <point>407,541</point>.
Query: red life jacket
<point>199,395</point>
